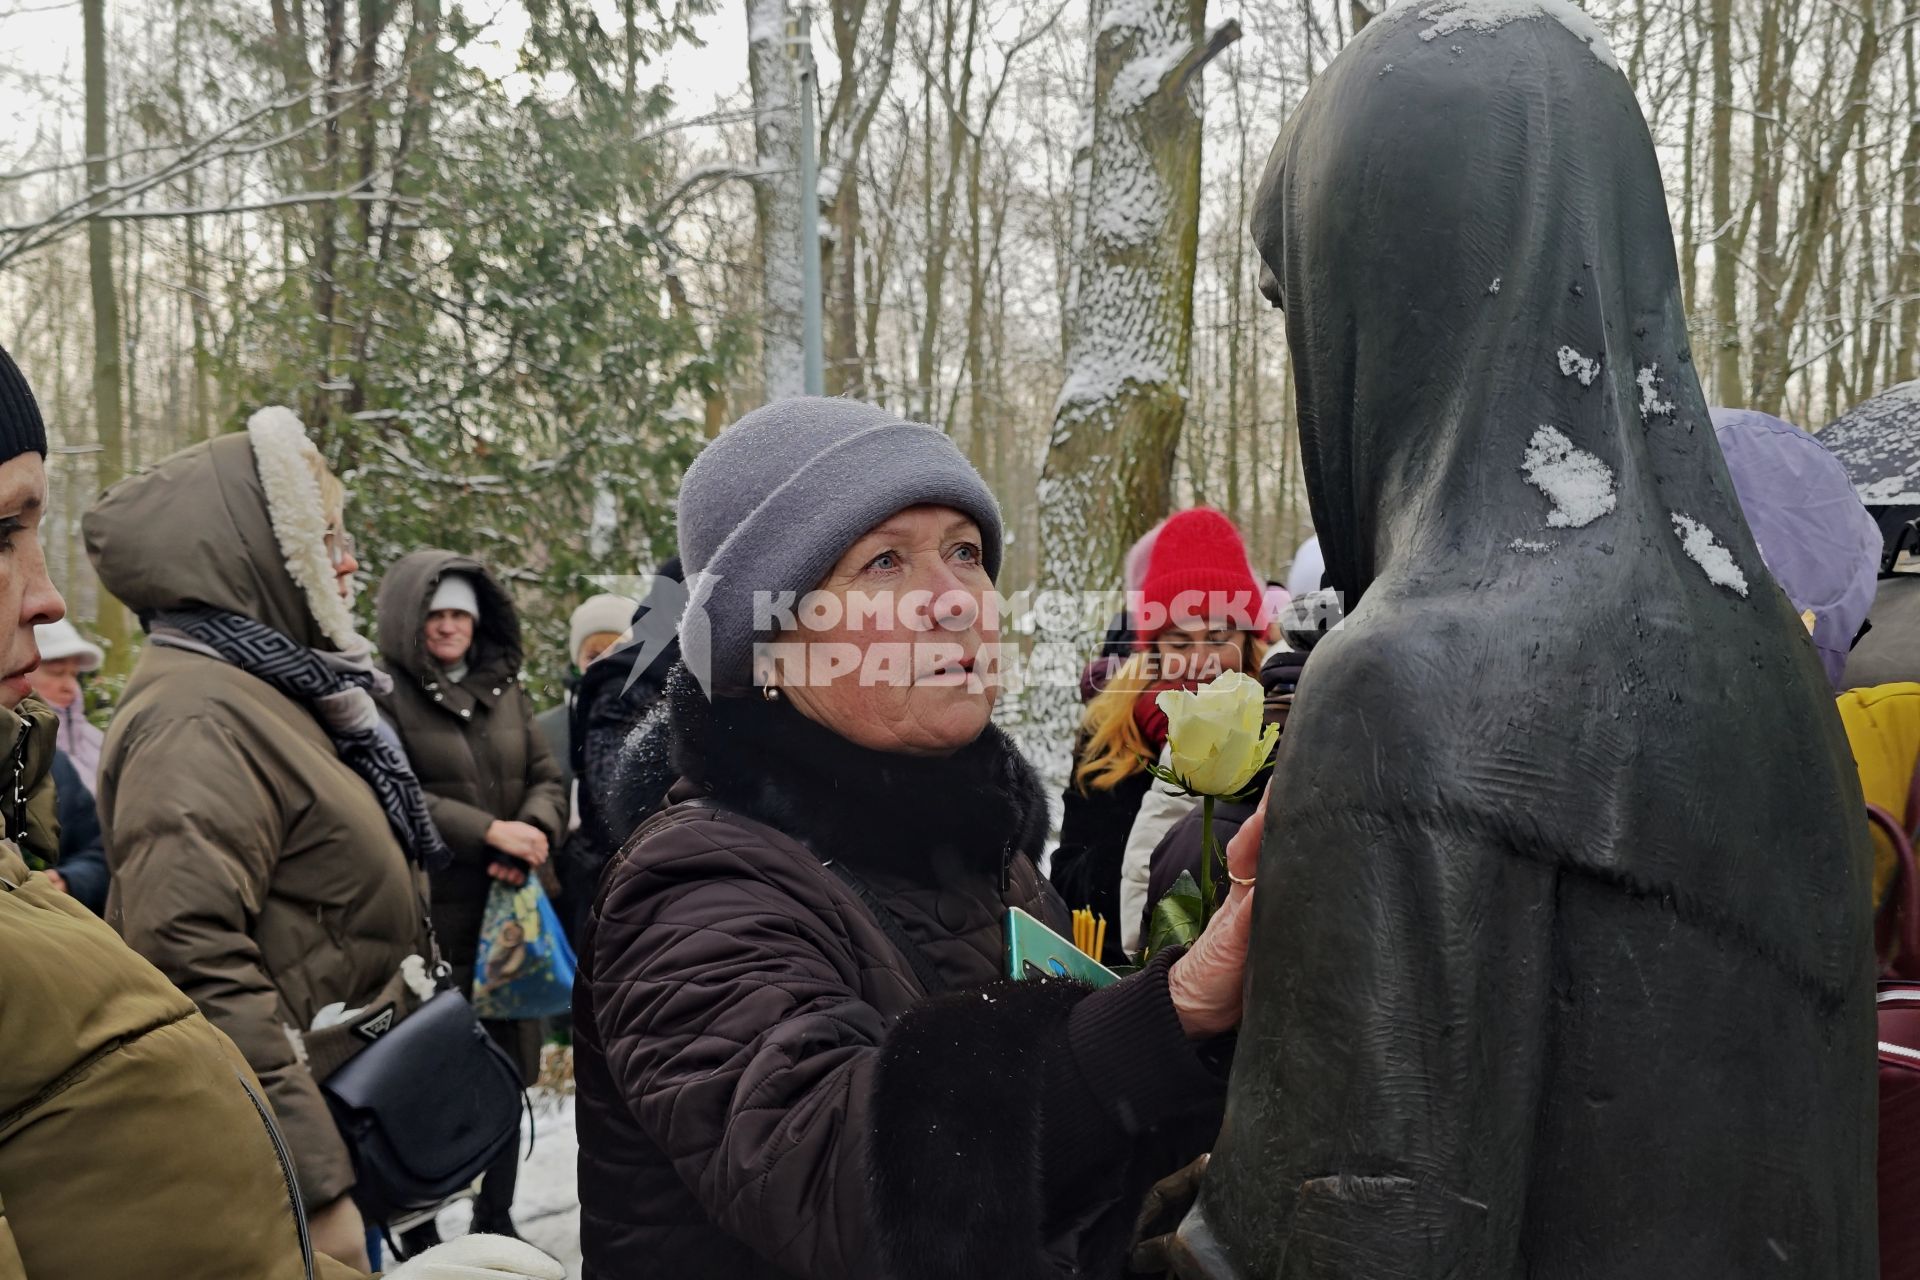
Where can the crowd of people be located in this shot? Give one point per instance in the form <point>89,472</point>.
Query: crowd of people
<point>797,1047</point>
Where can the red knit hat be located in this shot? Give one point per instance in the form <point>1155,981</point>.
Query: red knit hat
<point>1199,573</point>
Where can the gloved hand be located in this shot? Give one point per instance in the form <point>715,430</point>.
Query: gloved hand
<point>1160,1214</point>
<point>480,1258</point>
<point>1208,983</point>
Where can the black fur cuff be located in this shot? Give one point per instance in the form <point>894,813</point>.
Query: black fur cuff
<point>955,1157</point>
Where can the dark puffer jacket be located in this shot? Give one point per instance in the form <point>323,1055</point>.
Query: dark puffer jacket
<point>765,1088</point>
<point>613,697</point>
<point>473,743</point>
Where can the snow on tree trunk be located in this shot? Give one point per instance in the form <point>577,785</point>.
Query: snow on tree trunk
<point>1109,468</point>
<point>776,198</point>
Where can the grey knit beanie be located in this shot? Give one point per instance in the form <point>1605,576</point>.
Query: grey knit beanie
<point>777,498</point>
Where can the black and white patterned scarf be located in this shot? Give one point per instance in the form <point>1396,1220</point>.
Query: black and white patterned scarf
<point>337,688</point>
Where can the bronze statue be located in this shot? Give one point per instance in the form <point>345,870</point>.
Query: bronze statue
<point>1562,961</point>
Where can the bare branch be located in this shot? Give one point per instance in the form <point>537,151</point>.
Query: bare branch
<point>37,234</point>
<point>271,202</point>
<point>1200,55</point>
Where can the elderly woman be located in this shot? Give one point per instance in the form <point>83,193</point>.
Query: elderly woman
<point>795,1054</point>
<point>450,638</point>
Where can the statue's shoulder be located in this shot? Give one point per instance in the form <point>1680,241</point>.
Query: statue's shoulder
<point>1416,704</point>
<point>1437,651</point>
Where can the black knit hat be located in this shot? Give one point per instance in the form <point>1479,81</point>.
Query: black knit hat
<point>21,429</point>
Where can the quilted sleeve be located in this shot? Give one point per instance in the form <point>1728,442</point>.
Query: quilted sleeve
<point>735,1034</point>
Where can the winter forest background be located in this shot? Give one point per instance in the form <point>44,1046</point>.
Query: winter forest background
<point>513,260</point>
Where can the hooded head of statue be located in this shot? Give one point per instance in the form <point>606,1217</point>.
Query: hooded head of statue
<point>1562,837</point>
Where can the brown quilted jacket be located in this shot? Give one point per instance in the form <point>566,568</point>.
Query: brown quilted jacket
<point>766,1088</point>
<point>474,744</point>
<point>251,865</point>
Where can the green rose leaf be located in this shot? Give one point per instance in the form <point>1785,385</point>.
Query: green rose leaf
<point>1177,918</point>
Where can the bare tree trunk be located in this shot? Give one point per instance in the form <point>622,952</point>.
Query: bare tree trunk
<point>1818,199</point>
<point>1878,317</point>
<point>1726,363</point>
<point>776,197</point>
<point>1690,198</point>
<point>131,276</point>
<point>109,423</point>
<point>857,99</point>
<point>1237,424</point>
<point>1906,279</point>
<point>326,251</point>
<point>199,303</point>
<point>374,16</point>
<point>875,268</point>
<point>1765,200</point>
<point>714,396</point>
<point>1008,478</point>
<point>1109,467</point>
<point>845,375</point>
<point>840,274</point>
<point>940,238</point>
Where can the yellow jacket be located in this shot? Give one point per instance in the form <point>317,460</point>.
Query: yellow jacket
<point>1883,728</point>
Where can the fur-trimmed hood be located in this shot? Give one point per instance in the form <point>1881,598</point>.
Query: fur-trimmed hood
<point>235,523</point>
<point>769,762</point>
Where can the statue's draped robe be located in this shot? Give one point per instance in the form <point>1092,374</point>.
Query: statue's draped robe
<point>1562,965</point>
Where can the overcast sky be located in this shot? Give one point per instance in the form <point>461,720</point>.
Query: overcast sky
<point>40,43</point>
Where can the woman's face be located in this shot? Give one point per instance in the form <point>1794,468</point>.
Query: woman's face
<point>57,681</point>
<point>449,634</point>
<point>886,649</point>
<point>27,594</point>
<point>595,646</point>
<point>1196,652</point>
<point>340,554</point>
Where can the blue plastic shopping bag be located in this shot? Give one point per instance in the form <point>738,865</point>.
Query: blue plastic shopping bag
<point>524,967</point>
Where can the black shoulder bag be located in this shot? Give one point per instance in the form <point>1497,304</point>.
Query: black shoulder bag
<point>427,1107</point>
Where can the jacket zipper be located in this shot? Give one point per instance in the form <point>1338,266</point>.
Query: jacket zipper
<point>286,1171</point>
<point>17,802</point>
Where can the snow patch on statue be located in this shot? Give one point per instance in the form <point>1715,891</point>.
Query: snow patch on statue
<point>1575,365</point>
<point>1579,485</point>
<point>1650,401</point>
<point>1706,551</point>
<point>1486,17</point>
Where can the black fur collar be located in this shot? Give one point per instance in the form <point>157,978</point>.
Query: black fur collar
<point>877,809</point>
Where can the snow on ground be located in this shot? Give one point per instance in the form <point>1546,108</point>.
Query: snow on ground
<point>546,1203</point>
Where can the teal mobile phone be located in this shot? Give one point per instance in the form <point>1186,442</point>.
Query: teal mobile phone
<point>1035,951</point>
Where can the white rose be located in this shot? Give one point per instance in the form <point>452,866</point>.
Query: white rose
<point>1216,735</point>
